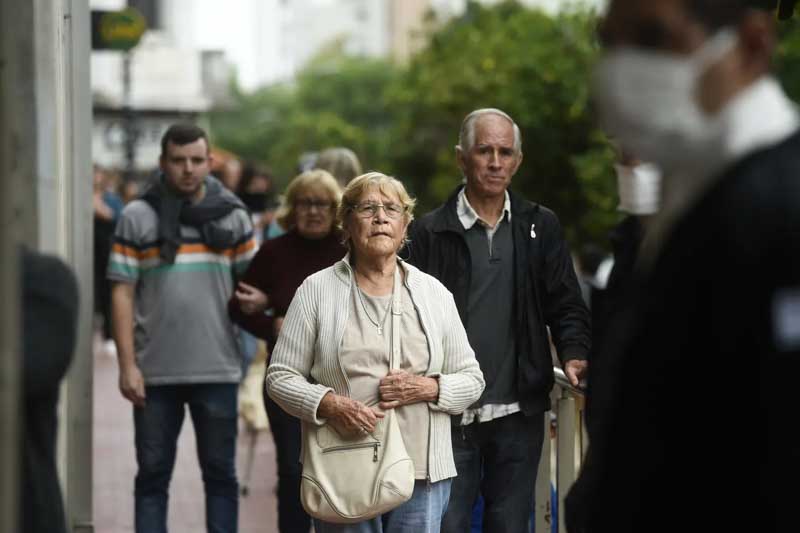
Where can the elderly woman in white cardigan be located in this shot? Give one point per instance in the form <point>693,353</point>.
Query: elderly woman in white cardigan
<point>331,362</point>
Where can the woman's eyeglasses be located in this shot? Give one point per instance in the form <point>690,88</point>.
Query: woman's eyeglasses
<point>370,209</point>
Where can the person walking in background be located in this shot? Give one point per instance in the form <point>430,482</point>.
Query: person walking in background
<point>257,192</point>
<point>507,264</point>
<point>331,362</point>
<point>130,190</point>
<point>696,413</point>
<point>341,162</point>
<point>176,254</point>
<point>262,299</point>
<point>107,207</point>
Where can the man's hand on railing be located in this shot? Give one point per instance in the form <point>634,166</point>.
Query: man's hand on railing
<point>575,370</point>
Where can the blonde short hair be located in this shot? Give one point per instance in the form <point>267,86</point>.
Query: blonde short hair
<point>387,185</point>
<point>303,183</point>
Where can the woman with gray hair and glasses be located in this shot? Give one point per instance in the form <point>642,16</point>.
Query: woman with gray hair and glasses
<point>331,363</point>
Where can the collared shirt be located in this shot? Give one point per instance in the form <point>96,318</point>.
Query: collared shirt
<point>760,116</point>
<point>468,218</point>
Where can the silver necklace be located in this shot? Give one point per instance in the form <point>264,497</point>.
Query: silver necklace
<point>366,312</point>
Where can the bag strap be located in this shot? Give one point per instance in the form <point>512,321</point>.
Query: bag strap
<point>397,312</point>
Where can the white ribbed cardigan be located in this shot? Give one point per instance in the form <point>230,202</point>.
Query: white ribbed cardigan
<point>305,363</point>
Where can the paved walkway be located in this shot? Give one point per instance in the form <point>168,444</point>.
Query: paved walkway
<point>115,467</point>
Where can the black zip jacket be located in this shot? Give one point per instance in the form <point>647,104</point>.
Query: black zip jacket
<point>546,288</point>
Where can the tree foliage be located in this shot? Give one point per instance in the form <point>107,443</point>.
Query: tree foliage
<point>536,68</point>
<point>335,101</point>
<point>405,120</point>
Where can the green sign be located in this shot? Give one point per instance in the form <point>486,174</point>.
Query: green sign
<point>117,30</point>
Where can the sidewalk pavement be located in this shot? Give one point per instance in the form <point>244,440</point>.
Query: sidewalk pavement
<point>115,468</point>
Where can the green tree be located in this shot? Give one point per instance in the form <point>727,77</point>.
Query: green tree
<point>335,101</point>
<point>787,57</point>
<point>405,121</point>
<point>534,66</point>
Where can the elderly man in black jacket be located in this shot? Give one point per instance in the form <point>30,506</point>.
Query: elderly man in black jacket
<point>698,407</point>
<point>507,264</point>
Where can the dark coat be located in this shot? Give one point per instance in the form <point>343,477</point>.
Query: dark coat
<point>699,408</point>
<point>49,320</point>
<point>546,288</point>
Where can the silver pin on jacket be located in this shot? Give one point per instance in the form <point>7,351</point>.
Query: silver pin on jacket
<point>533,233</point>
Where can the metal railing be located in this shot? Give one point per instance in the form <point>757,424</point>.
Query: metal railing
<point>563,451</point>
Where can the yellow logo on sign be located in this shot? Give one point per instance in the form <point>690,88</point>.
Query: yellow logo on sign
<point>122,29</point>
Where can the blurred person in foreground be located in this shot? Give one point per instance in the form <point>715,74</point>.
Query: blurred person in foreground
<point>49,332</point>
<point>262,299</point>
<point>509,268</point>
<point>639,190</point>
<point>331,363</point>
<point>176,255</point>
<point>696,415</point>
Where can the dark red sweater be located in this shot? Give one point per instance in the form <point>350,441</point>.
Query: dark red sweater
<point>278,269</point>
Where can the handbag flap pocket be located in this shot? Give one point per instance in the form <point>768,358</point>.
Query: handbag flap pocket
<point>328,437</point>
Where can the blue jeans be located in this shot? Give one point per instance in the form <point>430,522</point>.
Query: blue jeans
<point>421,514</point>
<point>157,426</point>
<point>497,459</point>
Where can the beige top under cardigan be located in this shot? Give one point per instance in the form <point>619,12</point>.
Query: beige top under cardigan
<point>306,364</point>
<point>365,361</point>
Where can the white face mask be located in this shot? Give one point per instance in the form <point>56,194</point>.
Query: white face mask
<point>648,101</point>
<point>639,188</point>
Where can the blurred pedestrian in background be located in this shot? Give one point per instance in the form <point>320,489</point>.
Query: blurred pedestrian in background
<point>177,252</point>
<point>510,270</point>
<point>341,162</point>
<point>107,207</point>
<point>257,192</point>
<point>694,406</point>
<point>262,299</point>
<point>331,363</point>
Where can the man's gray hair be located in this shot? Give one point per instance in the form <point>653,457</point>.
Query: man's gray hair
<point>466,137</point>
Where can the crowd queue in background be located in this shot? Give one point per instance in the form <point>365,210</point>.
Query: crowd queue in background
<point>705,276</point>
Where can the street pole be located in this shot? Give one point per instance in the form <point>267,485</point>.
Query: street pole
<point>129,122</point>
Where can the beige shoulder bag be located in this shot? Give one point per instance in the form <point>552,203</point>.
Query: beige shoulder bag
<point>348,480</point>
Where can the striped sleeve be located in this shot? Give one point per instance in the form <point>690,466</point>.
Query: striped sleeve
<point>125,261</point>
<point>243,254</point>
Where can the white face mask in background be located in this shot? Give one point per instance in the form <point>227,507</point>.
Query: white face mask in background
<point>648,101</point>
<point>639,188</point>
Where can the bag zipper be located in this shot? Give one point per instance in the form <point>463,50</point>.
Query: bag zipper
<point>373,445</point>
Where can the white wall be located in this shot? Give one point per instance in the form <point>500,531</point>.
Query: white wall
<point>162,76</point>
